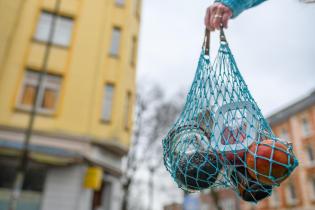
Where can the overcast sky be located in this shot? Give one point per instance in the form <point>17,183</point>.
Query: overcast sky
<point>273,44</point>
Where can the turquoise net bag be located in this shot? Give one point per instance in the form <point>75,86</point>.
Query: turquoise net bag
<point>221,139</point>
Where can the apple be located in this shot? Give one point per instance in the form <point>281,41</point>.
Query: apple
<point>269,161</point>
<point>248,188</point>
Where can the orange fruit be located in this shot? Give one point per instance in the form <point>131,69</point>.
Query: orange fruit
<point>269,162</point>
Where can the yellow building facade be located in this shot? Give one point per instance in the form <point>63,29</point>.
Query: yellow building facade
<point>85,104</point>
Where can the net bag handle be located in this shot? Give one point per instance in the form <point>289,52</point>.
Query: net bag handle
<point>251,131</point>
<point>207,38</point>
<point>206,42</point>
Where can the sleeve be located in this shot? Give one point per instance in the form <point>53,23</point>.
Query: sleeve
<point>238,6</point>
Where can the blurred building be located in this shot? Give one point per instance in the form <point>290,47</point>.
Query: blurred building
<point>227,200</point>
<point>85,103</point>
<point>297,124</point>
<point>173,206</point>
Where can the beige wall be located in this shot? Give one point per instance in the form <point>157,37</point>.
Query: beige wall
<point>85,66</point>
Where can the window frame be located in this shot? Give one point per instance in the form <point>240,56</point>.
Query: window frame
<point>120,5</point>
<point>134,50</point>
<point>45,84</point>
<point>310,152</point>
<point>306,131</point>
<point>284,134</point>
<point>137,9</point>
<point>312,185</point>
<point>104,101</point>
<point>289,199</point>
<point>111,51</point>
<point>127,110</point>
<point>58,18</point>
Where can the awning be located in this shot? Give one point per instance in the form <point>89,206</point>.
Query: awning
<point>40,153</point>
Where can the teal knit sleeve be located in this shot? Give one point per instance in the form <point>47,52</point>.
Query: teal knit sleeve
<point>238,6</point>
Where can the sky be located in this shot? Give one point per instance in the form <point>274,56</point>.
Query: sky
<point>273,45</point>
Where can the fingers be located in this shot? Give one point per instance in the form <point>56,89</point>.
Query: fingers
<point>225,18</point>
<point>208,18</point>
<point>213,16</point>
<point>217,19</point>
<point>217,15</point>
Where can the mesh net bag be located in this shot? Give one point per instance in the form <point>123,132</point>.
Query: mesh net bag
<point>221,139</point>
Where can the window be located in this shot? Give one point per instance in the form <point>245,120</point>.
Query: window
<point>116,34</point>
<point>127,110</point>
<point>62,31</point>
<point>120,2</point>
<point>310,153</point>
<point>133,50</point>
<point>228,204</point>
<point>274,199</point>
<point>291,194</point>
<point>33,181</point>
<point>312,185</point>
<point>47,94</point>
<point>108,102</point>
<point>284,134</point>
<point>306,131</point>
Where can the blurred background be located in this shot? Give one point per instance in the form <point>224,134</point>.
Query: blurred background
<point>88,89</point>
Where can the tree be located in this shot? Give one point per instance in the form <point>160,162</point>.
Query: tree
<point>163,118</point>
<point>155,113</point>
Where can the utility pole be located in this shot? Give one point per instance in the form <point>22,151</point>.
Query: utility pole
<point>23,162</point>
<point>132,162</point>
<point>153,167</point>
<point>151,187</point>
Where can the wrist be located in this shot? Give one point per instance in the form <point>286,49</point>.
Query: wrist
<point>233,5</point>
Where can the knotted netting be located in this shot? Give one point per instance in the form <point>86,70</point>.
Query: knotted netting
<point>221,139</point>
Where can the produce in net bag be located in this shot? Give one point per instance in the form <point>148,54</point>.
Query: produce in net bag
<point>221,139</point>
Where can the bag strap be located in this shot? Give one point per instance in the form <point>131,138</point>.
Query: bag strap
<point>206,41</point>
<point>222,35</point>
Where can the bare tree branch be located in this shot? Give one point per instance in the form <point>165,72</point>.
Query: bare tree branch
<point>154,116</point>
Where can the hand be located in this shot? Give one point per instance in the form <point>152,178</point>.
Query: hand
<point>216,15</point>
